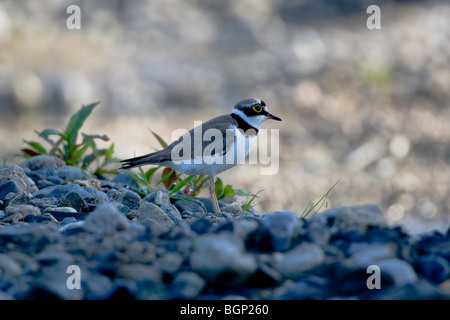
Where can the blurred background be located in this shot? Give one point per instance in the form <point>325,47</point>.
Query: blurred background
<point>368,107</point>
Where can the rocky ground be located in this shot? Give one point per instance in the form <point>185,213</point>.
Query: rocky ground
<point>126,246</point>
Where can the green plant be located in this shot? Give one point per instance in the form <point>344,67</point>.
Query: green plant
<point>65,145</point>
<point>190,185</point>
<point>310,207</point>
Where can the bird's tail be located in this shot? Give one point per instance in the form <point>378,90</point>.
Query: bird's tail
<point>151,158</point>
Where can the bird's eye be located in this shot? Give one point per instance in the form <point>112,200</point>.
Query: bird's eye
<point>257,108</point>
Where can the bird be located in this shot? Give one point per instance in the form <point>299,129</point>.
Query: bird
<point>213,146</point>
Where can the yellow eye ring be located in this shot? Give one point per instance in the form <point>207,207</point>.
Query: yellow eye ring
<point>257,108</point>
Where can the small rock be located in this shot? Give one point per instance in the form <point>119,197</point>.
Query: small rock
<point>187,285</point>
<point>16,174</point>
<point>186,205</point>
<point>172,212</point>
<point>19,199</point>
<point>150,211</point>
<point>233,208</point>
<point>130,199</point>
<point>158,197</point>
<point>71,173</point>
<point>9,187</point>
<point>169,263</point>
<point>113,194</point>
<point>295,262</point>
<point>432,267</point>
<point>359,218</point>
<point>90,195</point>
<point>44,218</point>
<point>12,218</point>
<point>60,209</point>
<point>398,271</point>
<point>105,219</point>
<point>147,280</point>
<point>282,225</point>
<point>41,161</point>
<point>23,209</point>
<point>318,229</point>
<point>126,179</point>
<point>222,259</point>
<point>201,226</point>
<point>366,254</point>
<point>75,201</point>
<point>9,266</point>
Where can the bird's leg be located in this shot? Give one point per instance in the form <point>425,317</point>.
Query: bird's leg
<point>212,192</point>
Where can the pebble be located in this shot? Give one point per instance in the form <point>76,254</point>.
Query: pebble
<point>221,259</point>
<point>163,248</point>
<point>302,258</point>
<point>281,226</point>
<point>151,212</point>
<point>16,174</point>
<point>42,161</point>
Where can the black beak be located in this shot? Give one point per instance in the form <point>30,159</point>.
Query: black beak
<point>271,116</point>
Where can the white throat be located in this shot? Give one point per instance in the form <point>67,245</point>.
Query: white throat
<point>254,121</point>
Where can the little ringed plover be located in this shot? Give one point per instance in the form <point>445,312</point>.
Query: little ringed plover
<point>212,147</point>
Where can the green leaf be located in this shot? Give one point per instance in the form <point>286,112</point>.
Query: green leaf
<point>37,146</point>
<point>149,173</point>
<point>49,132</point>
<point>242,192</point>
<point>76,122</point>
<point>167,176</point>
<point>80,152</point>
<point>180,185</point>
<point>160,140</point>
<point>218,187</point>
<point>109,153</point>
<point>321,201</point>
<point>228,191</point>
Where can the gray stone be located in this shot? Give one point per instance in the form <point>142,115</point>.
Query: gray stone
<point>318,229</point>
<point>20,198</point>
<point>282,226</point>
<point>172,212</point>
<point>113,193</point>
<point>399,271</point>
<point>366,254</point>
<point>169,263</point>
<point>9,266</point>
<point>187,285</point>
<point>71,173</point>
<point>74,200</point>
<point>125,178</point>
<point>150,211</point>
<point>105,219</point>
<point>295,262</point>
<point>60,209</point>
<point>23,209</point>
<point>433,267</point>
<point>41,161</point>
<point>222,259</point>
<point>16,174</point>
<point>90,195</point>
<point>232,208</point>
<point>186,205</point>
<point>130,199</point>
<point>158,197</point>
<point>32,237</point>
<point>9,187</point>
<point>147,280</point>
<point>359,218</point>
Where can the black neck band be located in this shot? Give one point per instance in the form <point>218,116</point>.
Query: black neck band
<point>242,124</point>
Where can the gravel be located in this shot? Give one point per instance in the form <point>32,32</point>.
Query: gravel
<point>162,248</point>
